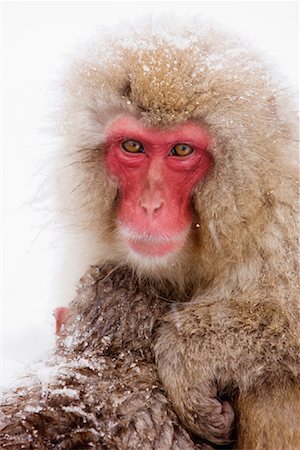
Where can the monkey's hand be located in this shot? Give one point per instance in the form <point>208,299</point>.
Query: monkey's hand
<point>208,353</point>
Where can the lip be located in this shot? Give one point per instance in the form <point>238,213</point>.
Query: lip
<point>152,245</point>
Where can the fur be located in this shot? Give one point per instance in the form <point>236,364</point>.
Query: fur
<point>165,78</point>
<point>103,391</point>
<point>233,332</point>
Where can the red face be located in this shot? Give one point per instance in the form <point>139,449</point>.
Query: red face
<point>157,171</point>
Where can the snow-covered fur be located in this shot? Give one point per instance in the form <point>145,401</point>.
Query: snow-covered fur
<point>233,332</point>
<point>165,73</point>
<point>103,390</point>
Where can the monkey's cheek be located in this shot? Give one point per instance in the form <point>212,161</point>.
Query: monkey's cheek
<point>155,249</point>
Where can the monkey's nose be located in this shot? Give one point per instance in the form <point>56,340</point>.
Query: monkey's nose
<point>151,206</point>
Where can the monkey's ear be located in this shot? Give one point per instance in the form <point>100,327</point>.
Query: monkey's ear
<point>61,315</point>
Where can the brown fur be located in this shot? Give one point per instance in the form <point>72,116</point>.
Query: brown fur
<point>240,330</point>
<point>274,416</point>
<point>234,334</point>
<point>105,392</point>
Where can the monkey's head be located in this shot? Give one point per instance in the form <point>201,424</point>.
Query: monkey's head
<point>171,134</point>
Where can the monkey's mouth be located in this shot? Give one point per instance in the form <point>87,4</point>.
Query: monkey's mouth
<point>147,248</point>
<point>150,245</point>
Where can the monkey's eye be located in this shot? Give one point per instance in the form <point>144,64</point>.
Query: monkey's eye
<point>181,150</point>
<point>132,146</point>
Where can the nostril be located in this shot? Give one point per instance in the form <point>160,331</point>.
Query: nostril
<point>156,209</point>
<point>143,208</point>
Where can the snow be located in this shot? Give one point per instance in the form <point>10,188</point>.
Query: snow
<point>72,393</point>
<point>38,38</point>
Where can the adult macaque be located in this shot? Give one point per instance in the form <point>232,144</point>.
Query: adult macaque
<point>180,164</point>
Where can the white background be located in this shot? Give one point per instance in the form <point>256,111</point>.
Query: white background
<point>37,38</point>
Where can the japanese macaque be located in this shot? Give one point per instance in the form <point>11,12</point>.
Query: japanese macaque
<point>180,171</point>
<point>101,389</point>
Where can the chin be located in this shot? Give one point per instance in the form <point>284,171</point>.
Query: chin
<point>147,264</point>
<point>147,252</point>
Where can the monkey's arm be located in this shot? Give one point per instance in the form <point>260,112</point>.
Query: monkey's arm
<point>244,351</point>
